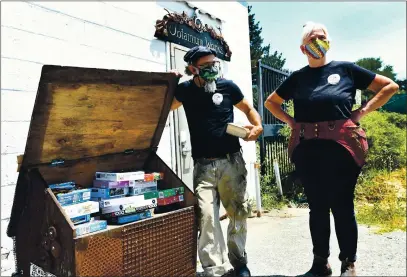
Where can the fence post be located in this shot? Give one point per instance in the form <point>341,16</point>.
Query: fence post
<point>260,105</point>
<point>277,174</point>
<point>257,183</point>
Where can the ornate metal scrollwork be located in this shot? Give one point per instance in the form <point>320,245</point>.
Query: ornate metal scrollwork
<point>193,22</point>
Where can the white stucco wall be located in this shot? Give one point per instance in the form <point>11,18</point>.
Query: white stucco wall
<point>114,35</point>
<point>90,34</point>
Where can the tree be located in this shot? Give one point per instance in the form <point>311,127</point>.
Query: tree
<point>402,85</point>
<point>275,60</point>
<point>377,66</point>
<point>256,41</point>
<point>258,51</point>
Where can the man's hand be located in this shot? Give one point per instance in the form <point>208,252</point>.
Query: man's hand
<point>254,118</point>
<point>254,132</point>
<point>176,73</point>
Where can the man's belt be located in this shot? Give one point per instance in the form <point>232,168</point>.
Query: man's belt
<point>218,157</point>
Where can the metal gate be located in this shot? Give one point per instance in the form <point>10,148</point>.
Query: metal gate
<point>273,147</point>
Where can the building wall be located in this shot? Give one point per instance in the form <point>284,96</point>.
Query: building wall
<point>113,35</point>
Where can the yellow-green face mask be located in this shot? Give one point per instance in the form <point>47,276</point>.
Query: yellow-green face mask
<point>316,48</point>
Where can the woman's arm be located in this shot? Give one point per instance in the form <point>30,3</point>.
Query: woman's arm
<point>384,88</point>
<point>273,104</point>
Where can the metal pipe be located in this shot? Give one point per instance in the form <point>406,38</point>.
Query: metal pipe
<point>275,70</point>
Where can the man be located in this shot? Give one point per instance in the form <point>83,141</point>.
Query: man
<point>219,171</point>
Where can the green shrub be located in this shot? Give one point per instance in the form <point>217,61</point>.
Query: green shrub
<point>381,199</point>
<point>270,196</point>
<point>286,130</point>
<point>381,189</point>
<point>387,141</point>
<point>400,120</point>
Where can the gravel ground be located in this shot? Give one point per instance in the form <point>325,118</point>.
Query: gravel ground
<point>279,244</point>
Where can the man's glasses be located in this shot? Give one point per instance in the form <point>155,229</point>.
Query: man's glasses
<point>208,64</point>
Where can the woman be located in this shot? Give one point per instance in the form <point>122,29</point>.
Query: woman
<point>327,144</point>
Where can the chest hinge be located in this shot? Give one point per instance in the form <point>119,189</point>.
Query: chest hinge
<point>57,162</point>
<point>128,151</point>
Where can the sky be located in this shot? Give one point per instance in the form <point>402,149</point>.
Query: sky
<point>357,30</point>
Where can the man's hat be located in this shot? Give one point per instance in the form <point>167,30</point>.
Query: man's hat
<point>198,52</point>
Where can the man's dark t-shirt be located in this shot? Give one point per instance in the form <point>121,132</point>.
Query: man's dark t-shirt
<point>207,121</point>
<point>325,93</point>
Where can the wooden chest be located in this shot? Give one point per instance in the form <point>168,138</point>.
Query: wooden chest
<point>86,120</point>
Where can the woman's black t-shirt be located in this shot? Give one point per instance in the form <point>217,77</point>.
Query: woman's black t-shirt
<point>325,93</point>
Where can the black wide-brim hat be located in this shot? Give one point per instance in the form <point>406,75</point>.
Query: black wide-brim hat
<point>198,52</point>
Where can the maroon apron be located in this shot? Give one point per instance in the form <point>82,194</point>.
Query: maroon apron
<point>344,132</point>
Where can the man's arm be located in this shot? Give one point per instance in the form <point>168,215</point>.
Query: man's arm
<point>175,103</point>
<point>253,116</point>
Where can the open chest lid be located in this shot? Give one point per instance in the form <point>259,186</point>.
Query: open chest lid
<point>86,112</point>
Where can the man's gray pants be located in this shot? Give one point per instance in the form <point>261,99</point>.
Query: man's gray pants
<point>215,181</point>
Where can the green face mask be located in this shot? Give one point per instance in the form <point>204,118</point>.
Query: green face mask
<point>208,73</point>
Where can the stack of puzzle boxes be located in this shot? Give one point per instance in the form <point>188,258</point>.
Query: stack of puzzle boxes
<point>114,199</point>
<point>125,197</point>
<point>78,207</point>
<point>132,196</point>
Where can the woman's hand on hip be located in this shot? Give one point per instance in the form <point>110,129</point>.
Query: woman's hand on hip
<point>291,123</point>
<point>357,115</point>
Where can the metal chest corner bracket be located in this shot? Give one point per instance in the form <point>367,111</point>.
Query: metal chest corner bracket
<point>38,271</point>
<point>190,32</point>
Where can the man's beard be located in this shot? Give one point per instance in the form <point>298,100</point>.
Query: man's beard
<point>210,86</point>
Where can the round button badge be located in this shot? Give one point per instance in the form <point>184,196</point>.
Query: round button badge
<point>217,98</point>
<point>333,79</point>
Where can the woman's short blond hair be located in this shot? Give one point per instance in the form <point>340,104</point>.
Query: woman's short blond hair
<point>311,26</point>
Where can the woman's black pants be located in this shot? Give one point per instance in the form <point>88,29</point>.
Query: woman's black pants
<point>329,175</point>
